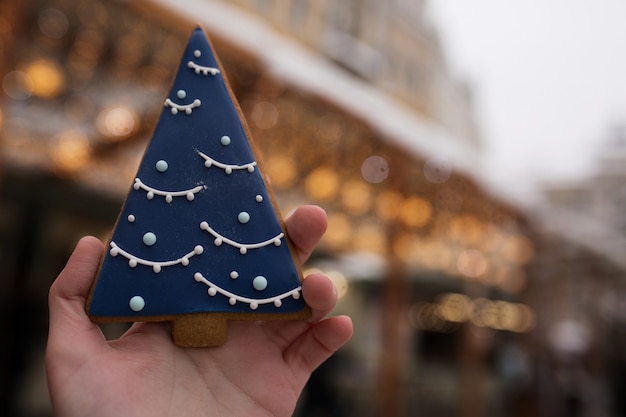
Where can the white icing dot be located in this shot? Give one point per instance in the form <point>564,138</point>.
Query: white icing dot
<point>190,196</point>
<point>132,263</point>
<point>228,170</point>
<point>185,261</point>
<point>253,306</point>
<point>137,303</point>
<point>217,242</point>
<point>204,226</point>
<point>276,242</point>
<point>114,251</point>
<point>251,168</point>
<point>208,164</point>
<point>243,217</point>
<point>168,198</point>
<point>278,303</point>
<point>198,250</point>
<point>188,110</point>
<point>197,276</point>
<point>259,283</point>
<point>161,165</point>
<point>136,186</point>
<point>174,110</point>
<point>149,239</point>
<point>232,301</point>
<point>197,53</point>
<point>225,140</point>
<point>234,275</point>
<point>181,94</point>
<point>150,195</point>
<point>197,102</point>
<point>259,198</point>
<point>243,251</point>
<point>295,295</point>
<point>130,218</point>
<point>156,269</point>
<point>212,291</point>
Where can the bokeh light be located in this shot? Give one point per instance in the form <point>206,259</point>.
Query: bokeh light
<point>375,169</point>
<point>53,23</point>
<point>437,170</point>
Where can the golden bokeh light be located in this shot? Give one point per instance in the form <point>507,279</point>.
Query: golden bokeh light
<point>370,237</point>
<point>117,123</point>
<point>339,230</point>
<point>70,152</point>
<point>518,249</point>
<point>281,170</point>
<point>471,263</point>
<point>416,211</point>
<point>48,78</point>
<point>467,229</point>
<point>388,205</point>
<point>322,184</point>
<point>451,309</point>
<point>356,197</point>
<point>264,115</point>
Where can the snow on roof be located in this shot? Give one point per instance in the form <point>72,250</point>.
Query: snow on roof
<point>309,71</point>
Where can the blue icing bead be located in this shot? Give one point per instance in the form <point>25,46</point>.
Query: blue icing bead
<point>149,239</point>
<point>137,303</point>
<point>259,283</point>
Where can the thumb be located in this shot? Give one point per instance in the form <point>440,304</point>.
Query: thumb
<point>70,328</point>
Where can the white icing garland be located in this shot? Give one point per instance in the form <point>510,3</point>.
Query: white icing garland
<point>226,167</point>
<point>187,108</point>
<point>254,302</point>
<point>156,266</point>
<point>202,69</point>
<point>243,247</point>
<point>151,192</point>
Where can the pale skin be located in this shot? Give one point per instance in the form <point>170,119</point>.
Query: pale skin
<point>260,371</point>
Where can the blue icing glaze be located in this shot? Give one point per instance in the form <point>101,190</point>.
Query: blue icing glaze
<point>222,196</point>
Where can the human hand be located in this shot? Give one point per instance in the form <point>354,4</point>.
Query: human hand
<point>260,370</point>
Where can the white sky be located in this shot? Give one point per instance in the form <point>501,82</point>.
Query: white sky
<point>549,79</point>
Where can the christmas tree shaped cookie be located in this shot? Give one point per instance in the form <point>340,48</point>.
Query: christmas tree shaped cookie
<point>198,241</point>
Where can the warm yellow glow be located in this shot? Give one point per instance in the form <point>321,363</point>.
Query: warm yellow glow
<point>356,197</point>
<point>518,249</point>
<point>339,230</point>
<point>416,211</point>
<point>281,171</point>
<point>370,237</point>
<point>70,152</point>
<point>467,229</point>
<point>406,248</point>
<point>471,263</point>
<point>47,77</point>
<point>264,115</point>
<point>453,307</point>
<point>388,204</point>
<point>322,184</point>
<point>116,123</point>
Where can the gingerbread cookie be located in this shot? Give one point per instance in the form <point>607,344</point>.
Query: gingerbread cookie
<point>199,240</point>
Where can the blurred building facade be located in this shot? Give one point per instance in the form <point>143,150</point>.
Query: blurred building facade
<point>391,44</point>
<point>455,294</point>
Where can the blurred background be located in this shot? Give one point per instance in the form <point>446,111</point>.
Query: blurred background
<point>471,157</point>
